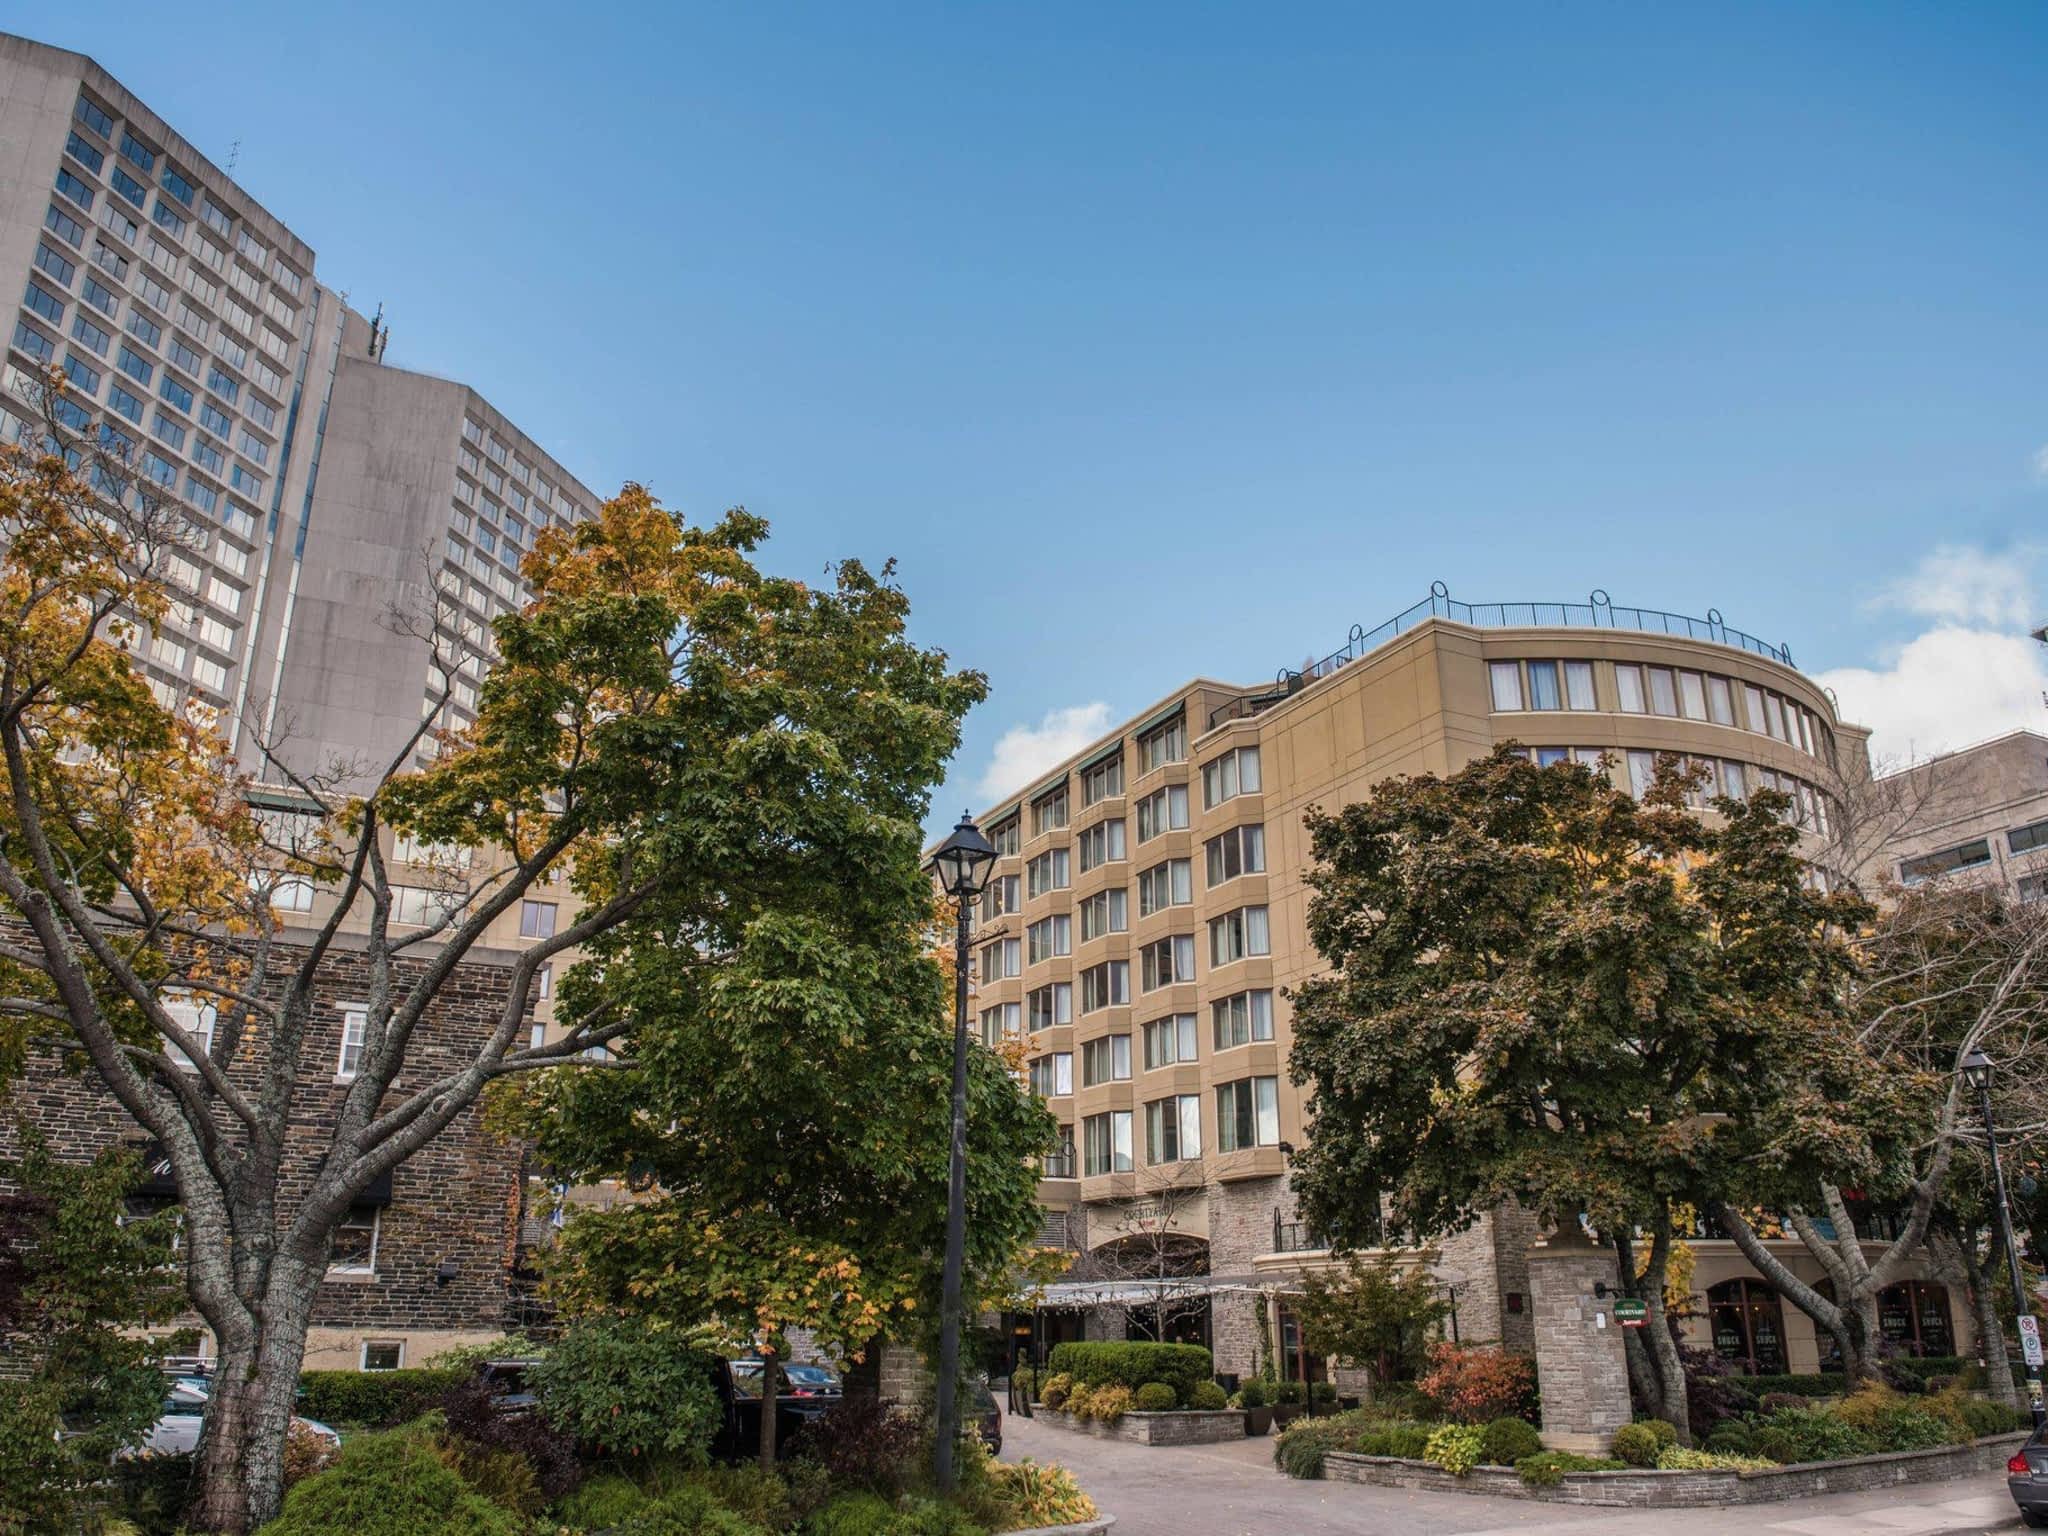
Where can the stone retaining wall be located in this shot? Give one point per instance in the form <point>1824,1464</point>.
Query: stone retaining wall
<point>1186,1426</point>
<point>1649,1489</point>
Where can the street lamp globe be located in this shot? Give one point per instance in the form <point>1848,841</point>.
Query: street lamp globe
<point>963,861</point>
<point>1976,1069</point>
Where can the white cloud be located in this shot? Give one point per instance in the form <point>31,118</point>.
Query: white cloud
<point>1962,584</point>
<point>2041,462</point>
<point>1023,752</point>
<point>1947,688</point>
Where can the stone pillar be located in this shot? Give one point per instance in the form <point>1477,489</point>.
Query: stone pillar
<point>1581,1361</point>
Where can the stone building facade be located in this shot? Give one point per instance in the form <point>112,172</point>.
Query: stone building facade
<point>426,1260</point>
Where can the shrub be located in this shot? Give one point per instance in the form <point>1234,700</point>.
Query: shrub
<point>389,1484</point>
<point>1546,1469</point>
<point>1638,1444</point>
<point>762,1497</point>
<point>688,1511</point>
<point>1808,1434</point>
<point>1299,1449</point>
<point>151,1491</point>
<point>1819,1384</point>
<point>1713,1393</point>
<point>1209,1397</point>
<point>467,1357</point>
<point>1677,1458</point>
<point>1081,1402</point>
<point>1477,1386</point>
<point>1771,1402</point>
<point>1056,1388</point>
<point>1154,1397</point>
<point>629,1390</point>
<point>1032,1494</point>
<point>378,1399</point>
<point>1988,1418</point>
<point>503,1476</point>
<point>866,1514</point>
<point>1291,1393</point>
<point>475,1426</point>
<point>601,1503</point>
<point>1455,1447</point>
<point>866,1444</point>
<point>304,1453</point>
<point>1731,1437</point>
<point>1507,1441</point>
<point>1253,1394</point>
<point>1396,1438</point>
<point>1108,1404</point>
<point>1131,1365</point>
<point>1897,1423</point>
<point>1323,1394</point>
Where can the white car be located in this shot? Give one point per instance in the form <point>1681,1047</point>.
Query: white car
<point>177,1431</point>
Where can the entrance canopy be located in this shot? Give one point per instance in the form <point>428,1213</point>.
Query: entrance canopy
<point>1134,1293</point>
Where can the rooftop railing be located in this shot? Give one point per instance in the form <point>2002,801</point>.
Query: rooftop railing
<point>1598,612</point>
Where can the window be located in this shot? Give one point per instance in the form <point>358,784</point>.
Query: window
<point>1774,715</point>
<point>1059,1163</point>
<point>353,1251</point>
<point>2026,839</point>
<point>1106,1143</point>
<point>1720,701</point>
<point>1105,986</point>
<point>176,391</point>
<point>1628,685</point>
<point>1505,679</point>
<point>1002,959</point>
<point>1753,709</point>
<point>1166,961</point>
<point>169,217</point>
<point>1001,1022</point>
<point>183,355</point>
<point>1167,744</point>
<point>211,416</point>
<point>1692,695</point>
<point>1545,689</point>
<point>1240,851</point>
<point>125,403</point>
<point>1164,810</point>
<point>137,153</point>
<point>1102,843</point>
<point>1237,934</point>
<point>1949,861</point>
<point>1170,1041</point>
<point>1248,1114</point>
<point>33,341</point>
<point>1050,936</point>
<point>130,188</point>
<point>169,430</point>
<point>1052,1076</point>
<point>1173,1129</point>
<point>217,219</point>
<point>1047,872</point>
<point>416,906</point>
<point>1233,774</point>
<point>1005,893</point>
<point>136,366</point>
<point>536,919</point>
<point>1103,780</point>
<point>1663,691</point>
<point>85,153</point>
<point>1241,1019</point>
<point>1732,780</point>
<point>64,227</point>
<point>1165,885</point>
<point>48,261</point>
<point>94,118</point>
<point>92,336</point>
<point>1642,772</point>
<point>1049,812</point>
<point>253,446</point>
<point>74,188</point>
<point>354,1023</point>
<point>1107,1060</point>
<point>1051,1005</point>
<point>196,1018</point>
<point>1103,913</point>
<point>209,455</point>
<point>144,329</point>
<point>209,674</point>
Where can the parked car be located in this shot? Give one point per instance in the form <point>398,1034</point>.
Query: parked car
<point>739,1435</point>
<point>2026,1475</point>
<point>979,1409</point>
<point>176,1431</point>
<point>511,1391</point>
<point>811,1381</point>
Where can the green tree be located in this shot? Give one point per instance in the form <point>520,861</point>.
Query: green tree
<point>1378,1315</point>
<point>667,726</point>
<point>78,1283</point>
<point>1540,990</point>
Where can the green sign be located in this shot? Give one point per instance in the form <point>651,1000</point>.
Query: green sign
<point>1629,1311</point>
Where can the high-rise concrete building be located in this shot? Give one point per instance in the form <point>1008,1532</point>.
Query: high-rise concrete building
<point>1976,815</point>
<point>1148,917</point>
<point>347,519</point>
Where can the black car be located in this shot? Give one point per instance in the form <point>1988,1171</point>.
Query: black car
<point>2026,1474</point>
<point>978,1408</point>
<point>511,1391</point>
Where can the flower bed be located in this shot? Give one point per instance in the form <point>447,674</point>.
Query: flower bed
<point>1180,1426</point>
<point>1648,1488</point>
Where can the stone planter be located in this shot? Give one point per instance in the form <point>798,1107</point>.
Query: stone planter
<point>1257,1421</point>
<point>1183,1426</point>
<point>1650,1489</point>
<point>1093,1527</point>
<point>1284,1413</point>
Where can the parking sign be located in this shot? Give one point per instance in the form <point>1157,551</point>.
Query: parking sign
<point>2030,1340</point>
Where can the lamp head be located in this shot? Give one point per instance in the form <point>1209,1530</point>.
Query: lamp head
<point>963,861</point>
<point>1976,1069</point>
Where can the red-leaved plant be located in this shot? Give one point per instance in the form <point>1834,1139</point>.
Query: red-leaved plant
<point>1477,1386</point>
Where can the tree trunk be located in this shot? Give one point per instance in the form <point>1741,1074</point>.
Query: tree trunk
<point>1662,1366</point>
<point>1981,1278</point>
<point>771,1394</point>
<point>249,1412</point>
<point>1843,1323</point>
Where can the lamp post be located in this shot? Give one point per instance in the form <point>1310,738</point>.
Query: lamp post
<point>1976,1070</point>
<point>961,864</point>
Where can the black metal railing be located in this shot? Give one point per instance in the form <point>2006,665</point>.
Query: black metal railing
<point>1598,612</point>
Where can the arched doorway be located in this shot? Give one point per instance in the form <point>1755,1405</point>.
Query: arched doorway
<point>1161,1279</point>
<point>1748,1325</point>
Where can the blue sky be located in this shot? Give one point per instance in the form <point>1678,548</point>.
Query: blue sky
<point>1164,340</point>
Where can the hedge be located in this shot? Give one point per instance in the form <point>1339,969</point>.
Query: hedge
<point>378,1399</point>
<point>1832,1383</point>
<point>1180,1366</point>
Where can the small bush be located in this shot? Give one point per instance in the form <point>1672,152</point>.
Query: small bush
<point>1209,1397</point>
<point>1253,1393</point>
<point>1819,1384</point>
<point>865,1444</point>
<point>601,1503</point>
<point>1323,1394</point>
<point>1108,1404</point>
<point>1034,1495</point>
<point>304,1453</point>
<point>1133,1364</point>
<point>1455,1448</point>
<point>1771,1402</point>
<point>1054,1393</point>
<point>378,1399</point>
<point>1081,1402</point>
<point>1546,1469</point>
<point>865,1514</point>
<point>762,1497</point>
<point>1898,1423</point>
<point>503,1476</point>
<point>1154,1397</point>
<point>1639,1443</point>
<point>688,1511</point>
<point>1808,1434</point>
<point>475,1426</point>
<point>1477,1386</point>
<point>1731,1437</point>
<point>1678,1458</point>
<point>1988,1418</point>
<point>1410,1441</point>
<point>1290,1394</point>
<point>629,1390</point>
<point>390,1484</point>
<point>1507,1441</point>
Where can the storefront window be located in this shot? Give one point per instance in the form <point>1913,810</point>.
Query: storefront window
<point>1748,1326</point>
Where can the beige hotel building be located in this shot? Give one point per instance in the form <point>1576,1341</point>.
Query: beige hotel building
<point>1147,919</point>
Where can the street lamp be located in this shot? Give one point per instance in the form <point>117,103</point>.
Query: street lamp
<point>1976,1071</point>
<point>961,864</point>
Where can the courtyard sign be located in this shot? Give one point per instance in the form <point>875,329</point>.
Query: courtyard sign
<point>1629,1311</point>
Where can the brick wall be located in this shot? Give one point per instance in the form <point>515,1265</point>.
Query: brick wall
<point>1240,1227</point>
<point>457,1200</point>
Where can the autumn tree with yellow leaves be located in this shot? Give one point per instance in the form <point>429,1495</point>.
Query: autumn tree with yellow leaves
<point>730,768</point>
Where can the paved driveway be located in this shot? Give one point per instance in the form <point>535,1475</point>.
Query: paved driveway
<point>1233,1490</point>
